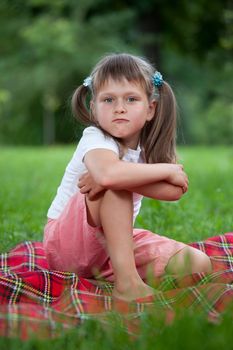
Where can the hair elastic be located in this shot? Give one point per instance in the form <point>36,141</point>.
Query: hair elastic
<point>157,79</point>
<point>87,82</point>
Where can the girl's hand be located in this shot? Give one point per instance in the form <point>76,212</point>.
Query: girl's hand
<point>178,177</point>
<point>88,186</point>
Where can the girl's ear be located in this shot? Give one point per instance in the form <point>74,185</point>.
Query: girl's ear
<point>92,108</point>
<point>151,109</point>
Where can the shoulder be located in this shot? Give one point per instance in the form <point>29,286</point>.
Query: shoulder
<point>93,138</point>
<point>92,133</point>
<point>92,130</point>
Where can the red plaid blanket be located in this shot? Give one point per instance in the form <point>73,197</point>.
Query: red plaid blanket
<point>36,300</point>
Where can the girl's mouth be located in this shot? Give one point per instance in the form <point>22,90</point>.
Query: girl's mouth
<point>120,120</point>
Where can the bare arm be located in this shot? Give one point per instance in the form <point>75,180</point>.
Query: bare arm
<point>160,190</point>
<point>111,173</point>
<point>107,173</point>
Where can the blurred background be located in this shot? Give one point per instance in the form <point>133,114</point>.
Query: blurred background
<point>47,48</point>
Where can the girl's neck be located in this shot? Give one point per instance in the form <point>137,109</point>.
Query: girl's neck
<point>130,145</point>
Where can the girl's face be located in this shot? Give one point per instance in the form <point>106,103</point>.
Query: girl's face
<point>122,108</point>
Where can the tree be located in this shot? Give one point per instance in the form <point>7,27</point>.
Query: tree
<point>53,45</point>
<point>49,47</point>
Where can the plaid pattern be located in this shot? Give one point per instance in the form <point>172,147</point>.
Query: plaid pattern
<point>36,300</point>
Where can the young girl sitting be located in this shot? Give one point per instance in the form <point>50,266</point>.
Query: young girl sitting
<point>126,152</point>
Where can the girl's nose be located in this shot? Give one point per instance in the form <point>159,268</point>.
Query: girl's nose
<point>120,107</point>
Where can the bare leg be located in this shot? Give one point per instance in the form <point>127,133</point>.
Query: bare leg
<point>115,214</point>
<point>189,260</point>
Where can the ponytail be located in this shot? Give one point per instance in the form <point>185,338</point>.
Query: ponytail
<point>158,136</point>
<point>79,105</point>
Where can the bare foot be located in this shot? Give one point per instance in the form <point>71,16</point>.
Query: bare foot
<point>133,292</point>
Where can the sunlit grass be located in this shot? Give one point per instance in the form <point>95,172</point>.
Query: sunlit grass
<point>30,176</point>
<point>206,209</point>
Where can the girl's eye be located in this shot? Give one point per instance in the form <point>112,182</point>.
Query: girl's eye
<point>108,99</point>
<point>131,99</point>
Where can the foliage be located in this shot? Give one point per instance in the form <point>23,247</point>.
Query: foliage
<point>47,48</point>
<point>53,47</point>
<point>204,98</point>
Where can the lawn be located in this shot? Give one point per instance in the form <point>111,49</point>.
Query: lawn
<point>29,178</point>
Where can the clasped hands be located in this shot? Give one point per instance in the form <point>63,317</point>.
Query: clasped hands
<point>177,177</point>
<point>88,186</point>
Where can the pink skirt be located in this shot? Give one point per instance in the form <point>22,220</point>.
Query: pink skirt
<point>71,244</point>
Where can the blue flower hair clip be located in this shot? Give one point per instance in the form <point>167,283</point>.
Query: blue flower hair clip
<point>157,79</point>
<point>87,82</point>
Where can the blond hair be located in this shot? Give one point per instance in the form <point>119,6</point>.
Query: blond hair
<point>158,136</point>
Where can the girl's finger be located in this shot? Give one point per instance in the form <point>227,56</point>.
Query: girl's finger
<point>83,177</point>
<point>85,189</point>
<point>81,184</point>
<point>181,166</point>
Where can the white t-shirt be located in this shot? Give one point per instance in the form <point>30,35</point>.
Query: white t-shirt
<point>92,138</point>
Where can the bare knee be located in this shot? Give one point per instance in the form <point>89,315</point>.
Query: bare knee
<point>200,261</point>
<point>114,200</point>
<point>189,260</point>
<point>118,195</point>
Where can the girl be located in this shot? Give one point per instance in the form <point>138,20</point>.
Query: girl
<point>127,152</point>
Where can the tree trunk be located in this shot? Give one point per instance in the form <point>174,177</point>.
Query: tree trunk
<point>48,119</point>
<point>151,30</point>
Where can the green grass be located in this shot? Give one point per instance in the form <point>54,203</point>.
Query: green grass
<point>206,209</point>
<point>28,181</point>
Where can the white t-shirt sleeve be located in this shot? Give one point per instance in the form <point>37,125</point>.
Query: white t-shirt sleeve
<point>94,138</point>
